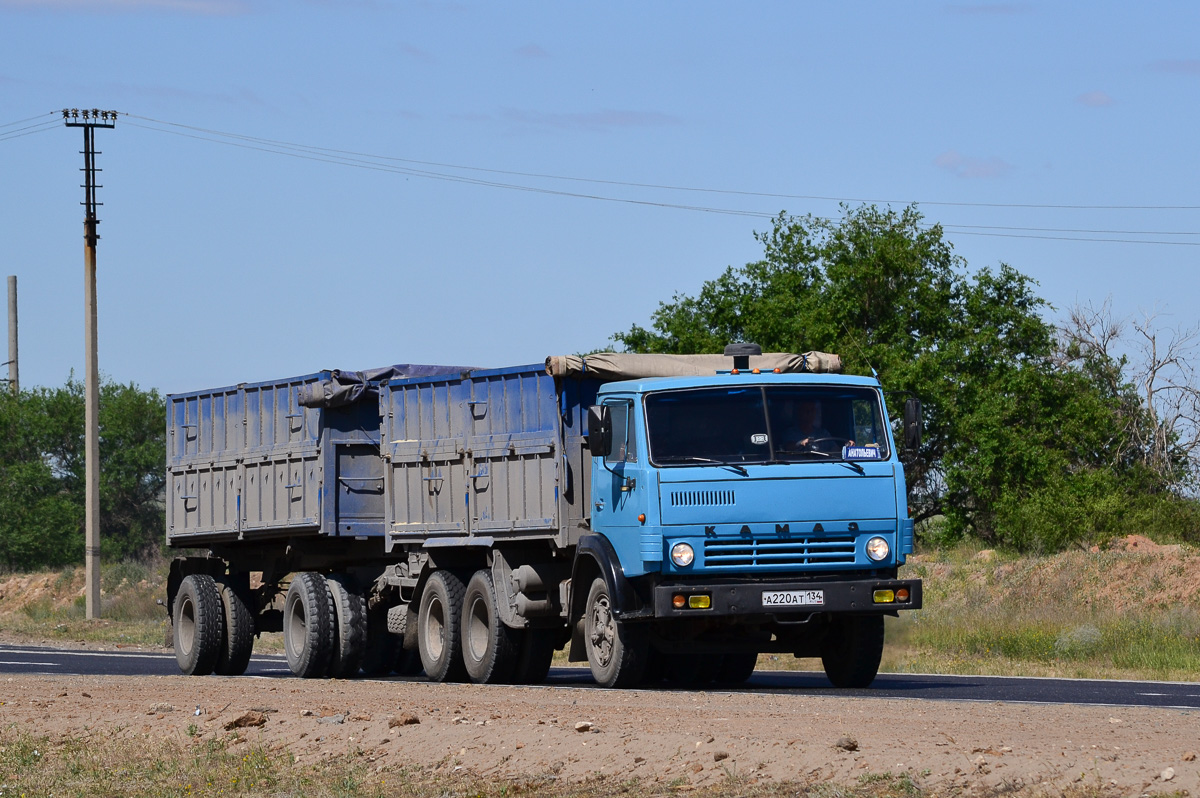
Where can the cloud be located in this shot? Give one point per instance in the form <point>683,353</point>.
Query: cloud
<point>1179,66</point>
<point>990,9</point>
<point>206,7</point>
<point>1094,99</point>
<point>963,166</point>
<point>592,121</point>
<point>531,51</point>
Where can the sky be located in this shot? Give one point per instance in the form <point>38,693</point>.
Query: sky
<point>295,186</point>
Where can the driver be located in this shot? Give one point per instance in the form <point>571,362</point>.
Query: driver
<point>808,423</point>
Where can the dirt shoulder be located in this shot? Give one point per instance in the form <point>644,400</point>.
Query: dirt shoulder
<point>660,737</point>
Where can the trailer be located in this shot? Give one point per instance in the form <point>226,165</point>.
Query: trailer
<point>656,514</point>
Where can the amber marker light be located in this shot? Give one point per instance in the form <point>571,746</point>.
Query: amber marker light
<point>755,371</point>
<point>884,596</point>
<point>777,370</point>
<point>699,602</point>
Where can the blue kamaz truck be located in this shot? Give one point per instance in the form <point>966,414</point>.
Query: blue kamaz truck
<point>668,517</point>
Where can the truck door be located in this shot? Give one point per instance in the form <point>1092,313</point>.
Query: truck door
<point>619,487</point>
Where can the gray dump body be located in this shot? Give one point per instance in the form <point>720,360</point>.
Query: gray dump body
<point>252,463</point>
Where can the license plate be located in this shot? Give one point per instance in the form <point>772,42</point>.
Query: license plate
<point>793,598</point>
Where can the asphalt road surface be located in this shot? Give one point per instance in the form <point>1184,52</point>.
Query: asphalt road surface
<point>1180,695</point>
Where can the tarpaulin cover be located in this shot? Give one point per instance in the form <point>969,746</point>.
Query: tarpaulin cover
<point>347,387</point>
<point>621,366</point>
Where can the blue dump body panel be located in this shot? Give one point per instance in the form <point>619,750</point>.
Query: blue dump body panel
<point>249,462</point>
<point>485,456</point>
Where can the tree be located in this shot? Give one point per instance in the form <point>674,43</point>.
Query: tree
<point>1003,421</point>
<point>42,474</point>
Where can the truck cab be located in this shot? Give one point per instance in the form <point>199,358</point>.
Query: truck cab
<point>749,512</point>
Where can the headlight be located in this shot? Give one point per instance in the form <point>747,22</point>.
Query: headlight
<point>682,555</point>
<point>877,549</point>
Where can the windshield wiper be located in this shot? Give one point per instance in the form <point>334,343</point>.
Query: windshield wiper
<point>687,458</point>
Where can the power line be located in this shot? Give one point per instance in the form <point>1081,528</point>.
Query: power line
<point>665,187</point>
<point>30,119</point>
<point>29,131</point>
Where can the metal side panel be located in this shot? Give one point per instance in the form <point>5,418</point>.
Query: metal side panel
<point>358,493</point>
<point>204,425</point>
<point>202,500</point>
<point>274,418</point>
<point>282,492</point>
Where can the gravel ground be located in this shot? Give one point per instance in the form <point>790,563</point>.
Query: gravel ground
<point>675,738</point>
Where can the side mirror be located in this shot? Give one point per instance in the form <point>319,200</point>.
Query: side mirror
<point>912,424</point>
<point>599,431</point>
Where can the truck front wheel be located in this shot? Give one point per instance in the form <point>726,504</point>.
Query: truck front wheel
<point>852,649</point>
<point>616,651</point>
<point>439,629</point>
<point>199,632</point>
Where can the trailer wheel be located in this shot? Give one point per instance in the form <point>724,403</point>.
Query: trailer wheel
<point>238,642</point>
<point>737,668</point>
<point>536,654</point>
<point>350,640</point>
<point>490,649</point>
<point>308,619</point>
<point>616,651</point>
<point>199,625</point>
<point>852,649</point>
<point>439,630</point>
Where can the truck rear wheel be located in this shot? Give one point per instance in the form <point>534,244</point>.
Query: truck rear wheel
<point>852,649</point>
<point>616,651</point>
<point>308,620</point>
<point>238,640</point>
<point>536,654</point>
<point>350,640</point>
<point>490,649</point>
<point>439,630</point>
<point>199,628</point>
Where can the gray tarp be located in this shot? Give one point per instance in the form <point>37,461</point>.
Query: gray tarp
<point>619,366</point>
<point>348,387</point>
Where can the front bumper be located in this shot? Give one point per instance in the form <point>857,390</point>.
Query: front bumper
<point>746,598</point>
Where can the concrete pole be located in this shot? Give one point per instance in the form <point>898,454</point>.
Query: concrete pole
<point>92,434</point>
<point>14,374</point>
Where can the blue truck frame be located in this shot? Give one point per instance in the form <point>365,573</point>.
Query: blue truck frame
<point>469,522</point>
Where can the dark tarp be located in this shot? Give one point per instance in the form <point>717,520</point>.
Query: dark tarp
<point>347,387</point>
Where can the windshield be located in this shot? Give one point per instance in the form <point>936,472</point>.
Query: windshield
<point>765,424</point>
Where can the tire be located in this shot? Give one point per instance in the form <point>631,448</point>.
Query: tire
<point>308,625</point>
<point>536,654</point>
<point>439,630</point>
<point>851,650</point>
<point>382,648</point>
<point>737,668</point>
<point>238,640</point>
<point>489,648</point>
<point>350,636</point>
<point>616,651</point>
<point>199,625</point>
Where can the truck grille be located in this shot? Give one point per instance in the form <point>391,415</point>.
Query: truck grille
<point>702,498</point>
<point>759,552</point>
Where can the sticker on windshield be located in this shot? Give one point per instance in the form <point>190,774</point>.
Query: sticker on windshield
<point>759,437</point>
<point>860,453</point>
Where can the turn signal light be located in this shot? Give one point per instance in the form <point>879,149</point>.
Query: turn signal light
<point>884,596</point>
<point>679,601</point>
<point>902,594</point>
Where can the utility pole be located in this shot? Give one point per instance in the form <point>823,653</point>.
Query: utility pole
<point>90,121</point>
<point>14,373</point>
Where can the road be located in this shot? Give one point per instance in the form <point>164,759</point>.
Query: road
<point>1179,695</point>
